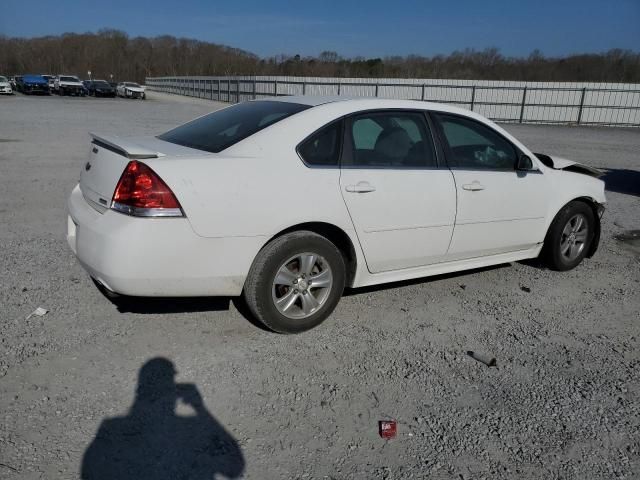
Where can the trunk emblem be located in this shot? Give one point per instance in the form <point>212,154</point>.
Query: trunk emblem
<point>87,166</point>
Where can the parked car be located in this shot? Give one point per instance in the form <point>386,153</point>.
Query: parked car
<point>33,84</point>
<point>130,90</point>
<point>69,85</point>
<point>18,83</point>
<point>5,86</point>
<point>287,201</point>
<point>99,88</point>
<point>51,81</point>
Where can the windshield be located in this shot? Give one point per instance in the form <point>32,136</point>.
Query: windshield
<point>3,79</point>
<point>226,127</point>
<point>131,84</point>
<point>101,83</point>
<point>69,79</point>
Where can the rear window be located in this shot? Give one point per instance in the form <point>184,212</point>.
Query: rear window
<point>226,127</point>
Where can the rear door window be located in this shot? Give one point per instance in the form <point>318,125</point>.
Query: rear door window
<point>224,128</point>
<point>395,139</point>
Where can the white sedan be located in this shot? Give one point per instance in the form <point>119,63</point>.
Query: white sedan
<point>5,86</point>
<point>130,90</point>
<point>288,201</point>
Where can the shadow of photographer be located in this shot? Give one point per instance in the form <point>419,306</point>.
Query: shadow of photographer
<point>153,442</point>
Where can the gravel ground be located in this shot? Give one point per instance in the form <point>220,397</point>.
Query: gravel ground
<point>563,401</point>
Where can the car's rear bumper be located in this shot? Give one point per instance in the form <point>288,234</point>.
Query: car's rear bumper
<point>156,256</point>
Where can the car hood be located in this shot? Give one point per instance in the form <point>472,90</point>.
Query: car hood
<point>75,84</point>
<point>559,163</point>
<point>135,89</point>
<point>5,84</point>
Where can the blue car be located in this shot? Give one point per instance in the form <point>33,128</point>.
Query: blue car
<point>34,84</point>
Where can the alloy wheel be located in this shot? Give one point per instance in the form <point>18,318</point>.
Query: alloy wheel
<point>302,285</point>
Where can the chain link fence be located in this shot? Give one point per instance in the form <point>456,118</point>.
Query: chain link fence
<point>516,102</point>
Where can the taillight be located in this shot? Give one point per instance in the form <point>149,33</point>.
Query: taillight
<point>142,193</point>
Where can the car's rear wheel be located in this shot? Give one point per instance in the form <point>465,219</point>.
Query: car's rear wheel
<point>295,282</point>
<point>569,237</point>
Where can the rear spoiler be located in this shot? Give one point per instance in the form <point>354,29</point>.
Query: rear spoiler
<point>123,146</point>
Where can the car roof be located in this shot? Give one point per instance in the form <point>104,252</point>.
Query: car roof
<point>368,103</point>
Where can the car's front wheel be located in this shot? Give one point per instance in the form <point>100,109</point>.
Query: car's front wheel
<point>570,236</point>
<point>295,282</point>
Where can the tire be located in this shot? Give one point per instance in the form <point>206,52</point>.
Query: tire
<point>308,306</point>
<point>569,237</point>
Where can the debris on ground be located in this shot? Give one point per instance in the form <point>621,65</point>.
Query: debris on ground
<point>387,428</point>
<point>38,312</point>
<point>486,359</point>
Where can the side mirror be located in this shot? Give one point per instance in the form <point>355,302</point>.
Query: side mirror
<point>525,164</point>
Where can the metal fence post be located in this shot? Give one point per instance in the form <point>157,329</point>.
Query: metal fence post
<point>218,90</point>
<point>377,89</point>
<point>304,88</point>
<point>584,91</point>
<point>237,91</point>
<point>254,88</point>
<point>473,96</point>
<point>524,99</point>
<point>338,88</point>
<point>275,88</point>
<point>423,89</point>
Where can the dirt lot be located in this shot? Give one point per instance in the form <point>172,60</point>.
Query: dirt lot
<point>563,402</point>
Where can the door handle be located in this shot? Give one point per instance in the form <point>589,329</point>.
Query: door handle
<point>474,186</point>
<point>360,187</point>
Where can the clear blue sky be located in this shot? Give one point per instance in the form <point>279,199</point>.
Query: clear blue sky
<point>366,27</point>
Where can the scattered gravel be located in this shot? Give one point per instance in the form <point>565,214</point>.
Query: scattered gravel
<point>562,402</point>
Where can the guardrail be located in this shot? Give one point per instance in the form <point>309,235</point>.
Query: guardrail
<point>502,103</point>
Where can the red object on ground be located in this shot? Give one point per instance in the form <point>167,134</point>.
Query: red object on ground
<point>388,428</point>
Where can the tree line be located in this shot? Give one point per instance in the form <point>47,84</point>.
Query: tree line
<point>113,54</point>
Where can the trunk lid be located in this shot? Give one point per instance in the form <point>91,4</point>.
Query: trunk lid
<point>108,158</point>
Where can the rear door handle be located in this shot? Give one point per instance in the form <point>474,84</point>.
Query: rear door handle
<point>360,187</point>
<point>474,186</point>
